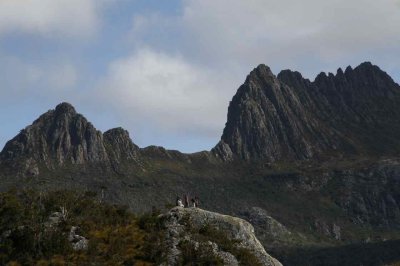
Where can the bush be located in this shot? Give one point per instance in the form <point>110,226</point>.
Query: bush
<point>202,255</point>
<point>116,236</point>
<point>244,256</point>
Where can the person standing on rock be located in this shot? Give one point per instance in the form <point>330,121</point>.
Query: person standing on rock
<point>186,200</point>
<point>193,203</point>
<point>179,202</point>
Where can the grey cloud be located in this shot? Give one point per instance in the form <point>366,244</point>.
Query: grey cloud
<point>165,92</point>
<point>24,80</point>
<point>50,18</point>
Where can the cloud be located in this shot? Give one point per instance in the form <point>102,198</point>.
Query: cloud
<point>194,60</point>
<point>23,80</point>
<point>166,93</point>
<point>290,33</point>
<point>77,18</point>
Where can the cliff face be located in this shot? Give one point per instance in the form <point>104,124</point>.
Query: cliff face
<point>283,117</point>
<point>62,136</point>
<point>58,136</point>
<point>267,119</point>
<point>288,117</point>
<point>371,195</point>
<point>119,145</point>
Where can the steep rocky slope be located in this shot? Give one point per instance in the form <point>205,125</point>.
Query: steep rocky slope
<point>270,118</point>
<point>62,137</point>
<point>288,117</point>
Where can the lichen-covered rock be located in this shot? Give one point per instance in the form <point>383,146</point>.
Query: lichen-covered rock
<point>183,224</point>
<point>77,241</point>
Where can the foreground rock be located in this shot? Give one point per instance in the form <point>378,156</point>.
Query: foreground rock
<point>77,241</point>
<point>269,230</point>
<point>209,237</point>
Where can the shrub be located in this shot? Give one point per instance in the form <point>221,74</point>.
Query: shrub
<point>116,236</point>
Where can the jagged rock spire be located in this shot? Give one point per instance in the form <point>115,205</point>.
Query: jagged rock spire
<point>62,136</point>
<point>289,117</point>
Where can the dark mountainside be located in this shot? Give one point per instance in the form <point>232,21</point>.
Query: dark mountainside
<point>313,166</point>
<point>62,136</point>
<point>288,117</point>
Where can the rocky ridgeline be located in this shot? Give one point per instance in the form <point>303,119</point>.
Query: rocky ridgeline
<point>284,117</point>
<point>62,136</point>
<point>288,117</point>
<point>211,234</point>
<point>119,145</point>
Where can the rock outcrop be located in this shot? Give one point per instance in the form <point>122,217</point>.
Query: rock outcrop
<point>62,136</point>
<point>119,145</point>
<point>289,117</point>
<point>268,229</point>
<point>77,241</point>
<point>162,153</point>
<point>57,137</point>
<point>217,235</point>
<point>371,195</point>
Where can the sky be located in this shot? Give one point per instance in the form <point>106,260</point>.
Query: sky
<point>166,70</point>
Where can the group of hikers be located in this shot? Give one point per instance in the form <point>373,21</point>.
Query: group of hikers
<point>187,201</point>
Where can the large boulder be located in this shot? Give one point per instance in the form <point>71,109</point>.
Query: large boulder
<point>228,239</point>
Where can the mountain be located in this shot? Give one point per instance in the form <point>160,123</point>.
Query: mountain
<point>272,118</point>
<point>61,137</point>
<point>313,165</point>
<point>287,117</point>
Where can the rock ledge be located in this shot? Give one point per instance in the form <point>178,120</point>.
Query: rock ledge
<point>182,224</point>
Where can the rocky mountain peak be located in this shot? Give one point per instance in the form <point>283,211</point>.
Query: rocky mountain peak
<point>119,144</point>
<point>58,137</point>
<point>292,78</point>
<point>290,117</point>
<point>62,136</point>
<point>365,79</point>
<point>259,75</point>
<point>117,132</point>
<point>261,70</point>
<point>339,72</point>
<point>372,77</point>
<point>289,74</point>
<point>265,120</point>
<point>65,108</point>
